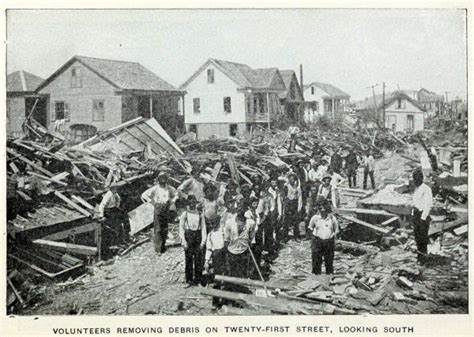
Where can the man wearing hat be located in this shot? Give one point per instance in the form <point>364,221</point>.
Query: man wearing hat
<point>162,196</point>
<point>351,167</point>
<point>422,204</point>
<point>293,206</point>
<point>194,185</point>
<point>110,210</point>
<point>325,189</point>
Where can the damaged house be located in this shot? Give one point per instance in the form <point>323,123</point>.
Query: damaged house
<point>324,99</point>
<point>228,99</point>
<point>100,94</point>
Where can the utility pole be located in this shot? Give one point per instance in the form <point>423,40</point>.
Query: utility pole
<point>383,104</point>
<point>375,100</point>
<point>448,105</point>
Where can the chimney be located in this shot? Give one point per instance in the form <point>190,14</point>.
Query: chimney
<point>301,76</point>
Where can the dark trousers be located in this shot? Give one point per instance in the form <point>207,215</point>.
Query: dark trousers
<point>352,176</point>
<point>219,267</point>
<point>238,264</point>
<point>264,236</point>
<point>421,228</point>
<point>292,218</point>
<point>372,180</point>
<point>160,228</point>
<point>292,143</point>
<point>117,220</point>
<point>193,262</point>
<point>322,249</point>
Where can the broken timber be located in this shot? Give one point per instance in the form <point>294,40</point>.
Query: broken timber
<point>66,247</point>
<point>251,283</point>
<point>366,224</point>
<point>72,203</point>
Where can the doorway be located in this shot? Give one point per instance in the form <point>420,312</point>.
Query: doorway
<point>39,114</point>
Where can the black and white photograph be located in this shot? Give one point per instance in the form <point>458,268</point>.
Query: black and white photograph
<point>236,162</point>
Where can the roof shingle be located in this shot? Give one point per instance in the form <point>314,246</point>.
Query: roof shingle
<point>331,90</point>
<point>22,81</point>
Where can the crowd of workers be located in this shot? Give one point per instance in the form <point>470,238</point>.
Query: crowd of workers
<point>226,228</point>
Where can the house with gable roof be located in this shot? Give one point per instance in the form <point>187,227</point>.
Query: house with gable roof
<point>21,97</point>
<point>228,99</point>
<point>292,99</point>
<point>324,98</point>
<point>104,93</point>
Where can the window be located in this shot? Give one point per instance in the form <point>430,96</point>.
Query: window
<point>98,111</point>
<point>233,130</point>
<point>255,104</point>
<point>227,104</point>
<point>76,78</point>
<point>292,91</point>
<point>210,76</point>
<point>391,122</point>
<point>401,104</point>
<point>328,105</point>
<point>261,105</point>
<point>196,105</point>
<point>193,128</point>
<point>410,122</point>
<point>61,110</point>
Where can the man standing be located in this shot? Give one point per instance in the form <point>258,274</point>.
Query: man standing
<point>324,228</point>
<point>369,167</point>
<point>193,186</point>
<point>293,206</point>
<point>422,203</point>
<point>351,166</point>
<point>162,197</point>
<point>336,162</point>
<point>293,130</point>
<point>238,234</point>
<point>109,209</point>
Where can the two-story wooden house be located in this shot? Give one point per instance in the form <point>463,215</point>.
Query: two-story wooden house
<point>292,99</point>
<point>105,93</point>
<point>324,99</point>
<point>227,99</point>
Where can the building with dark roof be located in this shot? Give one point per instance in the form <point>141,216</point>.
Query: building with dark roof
<point>292,100</point>
<point>21,97</point>
<point>229,99</point>
<point>323,98</point>
<point>105,93</point>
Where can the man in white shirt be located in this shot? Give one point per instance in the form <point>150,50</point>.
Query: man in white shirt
<point>215,257</point>
<point>162,197</point>
<point>369,167</point>
<point>422,204</point>
<point>109,209</point>
<point>293,130</point>
<point>324,228</point>
<point>293,207</point>
<point>239,232</point>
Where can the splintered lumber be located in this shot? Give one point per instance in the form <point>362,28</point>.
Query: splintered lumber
<point>47,178</point>
<point>280,304</point>
<point>14,168</point>
<point>362,211</point>
<point>23,195</point>
<point>234,172</point>
<point>72,203</point>
<point>356,246</point>
<point>366,224</point>
<point>66,247</point>
<point>436,228</point>
<point>135,245</point>
<point>29,162</point>
<point>82,202</point>
<point>251,283</point>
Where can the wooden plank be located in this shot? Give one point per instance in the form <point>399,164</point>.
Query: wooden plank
<point>389,221</point>
<point>436,228</point>
<point>252,283</point>
<point>141,217</point>
<point>42,271</point>
<point>366,224</point>
<point>23,195</point>
<point>66,247</point>
<point>217,169</point>
<point>15,291</point>
<point>60,176</point>
<point>363,211</point>
<point>73,231</point>
<point>29,162</point>
<point>14,168</point>
<point>72,203</point>
<point>82,202</point>
<point>47,178</point>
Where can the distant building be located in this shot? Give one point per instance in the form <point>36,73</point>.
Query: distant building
<point>21,98</point>
<point>431,102</point>
<point>402,112</point>
<point>105,93</point>
<point>323,98</point>
<point>228,99</point>
<point>292,99</point>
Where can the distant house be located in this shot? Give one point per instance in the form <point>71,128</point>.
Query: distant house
<point>292,99</point>
<point>324,98</point>
<point>21,97</point>
<point>431,102</point>
<point>105,93</point>
<point>402,112</point>
<point>228,99</point>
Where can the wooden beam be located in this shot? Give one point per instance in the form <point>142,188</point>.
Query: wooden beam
<point>14,168</point>
<point>73,231</point>
<point>46,178</point>
<point>72,203</point>
<point>23,195</point>
<point>389,221</point>
<point>82,202</point>
<point>251,283</point>
<point>29,162</point>
<point>66,247</point>
<point>366,224</point>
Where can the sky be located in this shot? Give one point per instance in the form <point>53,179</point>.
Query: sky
<point>351,49</point>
